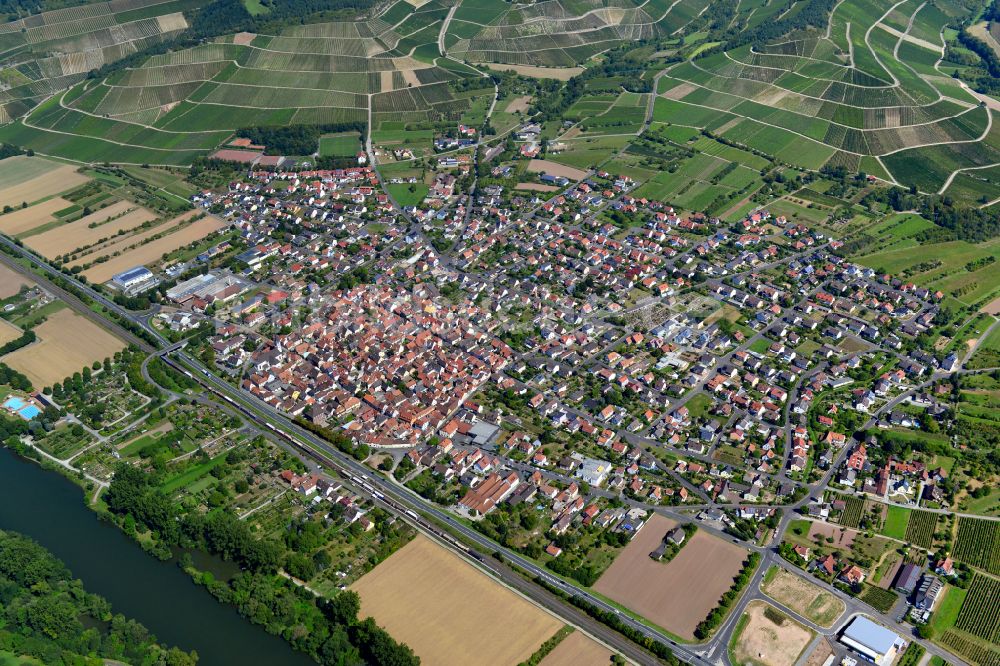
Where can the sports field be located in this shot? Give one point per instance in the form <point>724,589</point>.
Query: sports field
<point>448,611</point>
<point>677,595</point>
<point>66,343</point>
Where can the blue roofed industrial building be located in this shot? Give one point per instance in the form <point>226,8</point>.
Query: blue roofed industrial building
<point>135,280</point>
<point>872,641</point>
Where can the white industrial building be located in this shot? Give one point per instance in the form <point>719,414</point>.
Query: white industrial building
<point>872,641</point>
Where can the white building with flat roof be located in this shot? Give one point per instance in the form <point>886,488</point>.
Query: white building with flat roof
<point>872,641</point>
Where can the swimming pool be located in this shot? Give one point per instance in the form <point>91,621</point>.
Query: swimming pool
<point>14,403</point>
<point>29,412</point>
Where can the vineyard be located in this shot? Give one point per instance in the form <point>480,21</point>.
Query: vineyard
<point>851,517</point>
<point>973,650</point>
<point>980,614</point>
<point>183,103</point>
<point>560,33</point>
<point>879,599</point>
<point>978,543</point>
<point>852,98</point>
<point>920,530</point>
<point>47,52</point>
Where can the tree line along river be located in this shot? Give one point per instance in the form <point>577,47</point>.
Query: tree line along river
<point>50,509</point>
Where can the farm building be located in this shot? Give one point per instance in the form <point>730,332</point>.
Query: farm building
<point>908,578</point>
<point>872,640</point>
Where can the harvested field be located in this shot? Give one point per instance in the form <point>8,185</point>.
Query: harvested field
<point>679,92</point>
<point>11,282</point>
<point>519,104</point>
<point>843,537</point>
<point>768,637</point>
<point>992,308</point>
<point>54,179</point>
<point>578,650</point>
<point>410,77</point>
<point>558,73</point>
<point>536,187</point>
<point>26,219</point>
<point>154,250</point>
<point>556,169</point>
<point>448,611</point>
<point>80,234</point>
<point>680,594</point>
<point>8,332</point>
<point>66,343</point>
<point>243,38</point>
<point>804,598</point>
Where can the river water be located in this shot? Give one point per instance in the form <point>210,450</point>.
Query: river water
<point>50,509</point>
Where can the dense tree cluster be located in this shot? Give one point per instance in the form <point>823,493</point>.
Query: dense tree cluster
<point>295,139</point>
<point>985,79</point>
<point>48,615</point>
<point>343,443</point>
<point>22,340</point>
<point>622,67</point>
<point>962,222</point>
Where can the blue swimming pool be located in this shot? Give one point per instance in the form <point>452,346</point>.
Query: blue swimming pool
<point>14,403</point>
<point>29,412</point>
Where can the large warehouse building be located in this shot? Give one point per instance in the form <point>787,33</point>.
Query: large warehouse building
<point>872,641</point>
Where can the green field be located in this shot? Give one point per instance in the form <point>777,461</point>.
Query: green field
<point>340,145</point>
<point>895,522</point>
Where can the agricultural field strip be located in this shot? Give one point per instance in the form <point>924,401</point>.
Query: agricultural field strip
<point>903,37</point>
<point>845,150</point>
<point>954,174</point>
<point>223,83</point>
<point>786,91</point>
<point>121,120</point>
<point>24,121</point>
<point>581,31</point>
<point>874,53</point>
<point>73,17</point>
<point>729,55</point>
<point>576,17</point>
<point>832,122</point>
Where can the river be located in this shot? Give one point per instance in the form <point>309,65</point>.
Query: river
<point>50,509</point>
